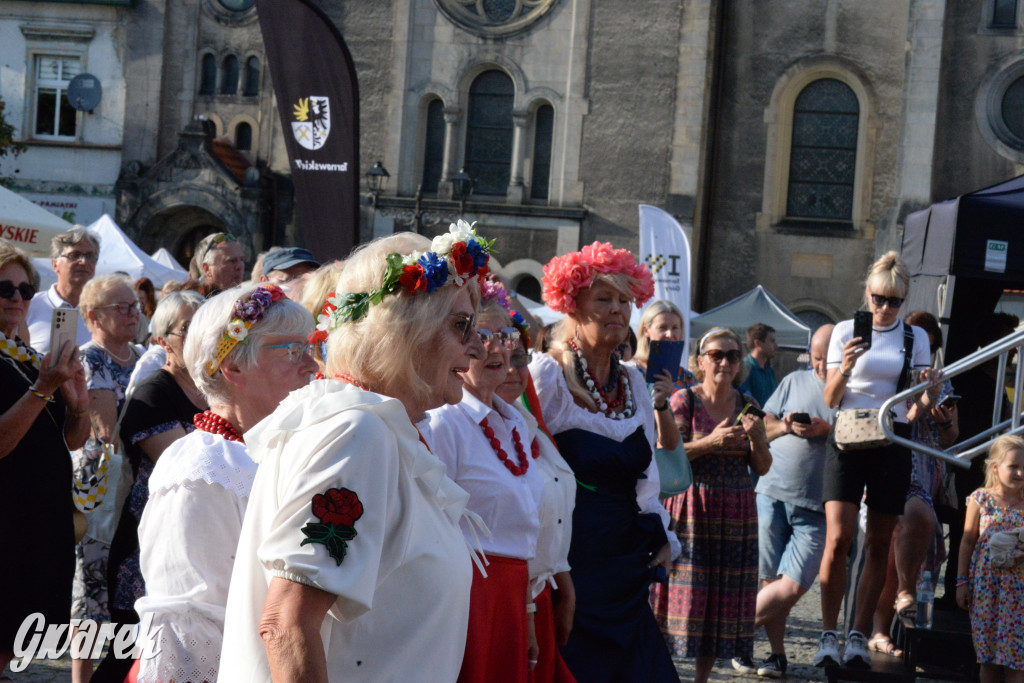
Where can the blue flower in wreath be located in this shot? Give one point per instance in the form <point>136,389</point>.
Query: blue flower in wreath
<point>435,270</point>
<point>474,249</point>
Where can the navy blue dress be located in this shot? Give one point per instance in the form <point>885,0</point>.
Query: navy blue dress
<point>614,636</point>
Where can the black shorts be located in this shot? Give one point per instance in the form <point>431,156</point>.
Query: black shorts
<point>884,471</point>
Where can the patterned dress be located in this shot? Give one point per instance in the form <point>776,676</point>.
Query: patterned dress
<point>707,607</point>
<point>997,595</point>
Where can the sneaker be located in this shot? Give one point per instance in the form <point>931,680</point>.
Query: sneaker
<point>773,667</point>
<point>856,653</point>
<point>745,665</point>
<point>828,650</point>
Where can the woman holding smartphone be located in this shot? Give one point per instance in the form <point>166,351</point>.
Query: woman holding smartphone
<point>706,610</point>
<point>865,369</point>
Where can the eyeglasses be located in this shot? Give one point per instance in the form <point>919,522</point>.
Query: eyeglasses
<point>183,332</point>
<point>893,301</point>
<point>465,326</point>
<point>8,288</point>
<point>87,256</point>
<point>520,360</point>
<point>296,350</point>
<point>507,336</point>
<point>123,309</point>
<point>716,356</point>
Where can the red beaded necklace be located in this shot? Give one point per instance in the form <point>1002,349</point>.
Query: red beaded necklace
<point>535,449</point>
<point>213,423</point>
<point>351,380</point>
<point>524,464</point>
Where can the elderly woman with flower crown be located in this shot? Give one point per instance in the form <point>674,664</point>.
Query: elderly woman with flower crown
<point>603,422</point>
<point>484,443</point>
<point>351,564</point>
<point>246,349</point>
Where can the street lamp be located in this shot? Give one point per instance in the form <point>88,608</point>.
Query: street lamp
<point>377,180</point>
<point>462,188</point>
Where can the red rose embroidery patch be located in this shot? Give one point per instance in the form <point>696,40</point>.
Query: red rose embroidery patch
<point>337,510</point>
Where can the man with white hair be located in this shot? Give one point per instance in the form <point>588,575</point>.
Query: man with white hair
<point>73,255</point>
<point>220,263</point>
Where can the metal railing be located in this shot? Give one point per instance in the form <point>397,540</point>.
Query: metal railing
<point>961,453</point>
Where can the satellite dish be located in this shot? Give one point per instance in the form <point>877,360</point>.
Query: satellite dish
<point>84,92</point>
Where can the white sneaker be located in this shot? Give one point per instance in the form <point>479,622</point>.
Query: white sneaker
<point>828,649</point>
<point>856,653</point>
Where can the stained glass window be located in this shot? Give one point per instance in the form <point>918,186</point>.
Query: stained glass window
<point>544,121</point>
<point>489,133</point>
<point>1004,13</point>
<point>433,146</point>
<point>823,156</point>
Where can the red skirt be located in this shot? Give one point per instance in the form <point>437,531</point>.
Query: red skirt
<point>498,642</point>
<point>550,666</point>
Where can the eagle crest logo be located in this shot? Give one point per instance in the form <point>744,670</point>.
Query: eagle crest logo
<point>312,122</point>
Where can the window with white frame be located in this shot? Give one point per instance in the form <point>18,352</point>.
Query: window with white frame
<point>54,117</point>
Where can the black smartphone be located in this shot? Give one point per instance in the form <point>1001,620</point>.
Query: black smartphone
<point>862,326</point>
<point>802,418</point>
<point>949,401</point>
<point>752,410</point>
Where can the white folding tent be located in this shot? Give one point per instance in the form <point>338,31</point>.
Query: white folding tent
<point>27,225</point>
<point>163,256</point>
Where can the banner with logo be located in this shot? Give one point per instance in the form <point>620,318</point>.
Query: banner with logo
<point>666,252</point>
<point>318,102</point>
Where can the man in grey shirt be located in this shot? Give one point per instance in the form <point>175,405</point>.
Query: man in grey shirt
<point>791,519</point>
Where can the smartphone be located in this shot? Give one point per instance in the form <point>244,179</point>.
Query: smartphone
<point>862,326</point>
<point>63,328</point>
<point>802,418</point>
<point>664,355</point>
<point>949,401</point>
<point>752,410</point>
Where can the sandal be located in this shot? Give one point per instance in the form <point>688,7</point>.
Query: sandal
<point>884,645</point>
<point>906,607</point>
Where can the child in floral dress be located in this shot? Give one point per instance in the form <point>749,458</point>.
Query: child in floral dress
<point>995,596</point>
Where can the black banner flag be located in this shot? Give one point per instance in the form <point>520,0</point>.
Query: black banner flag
<point>318,102</point>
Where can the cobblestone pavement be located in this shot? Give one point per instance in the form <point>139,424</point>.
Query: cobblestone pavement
<point>804,627</point>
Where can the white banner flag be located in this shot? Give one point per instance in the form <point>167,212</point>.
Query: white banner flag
<point>665,251</point>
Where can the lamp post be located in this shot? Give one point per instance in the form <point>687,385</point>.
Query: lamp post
<point>419,212</point>
<point>377,181</point>
<point>462,188</point>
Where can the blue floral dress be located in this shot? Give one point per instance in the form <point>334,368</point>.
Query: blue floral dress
<point>997,594</point>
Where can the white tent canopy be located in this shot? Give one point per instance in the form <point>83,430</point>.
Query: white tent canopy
<point>117,253</point>
<point>756,306</point>
<point>164,257</point>
<point>27,225</point>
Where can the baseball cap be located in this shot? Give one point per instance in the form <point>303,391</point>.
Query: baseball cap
<point>280,259</point>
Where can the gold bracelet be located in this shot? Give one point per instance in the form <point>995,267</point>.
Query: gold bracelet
<point>38,394</point>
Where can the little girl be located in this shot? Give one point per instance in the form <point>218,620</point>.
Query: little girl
<point>995,597</point>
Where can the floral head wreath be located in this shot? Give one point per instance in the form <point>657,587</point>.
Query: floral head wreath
<point>246,312</point>
<point>519,322</point>
<point>492,290</point>
<point>454,258</point>
<point>565,276</point>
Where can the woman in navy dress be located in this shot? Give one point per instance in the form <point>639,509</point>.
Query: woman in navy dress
<point>602,419</point>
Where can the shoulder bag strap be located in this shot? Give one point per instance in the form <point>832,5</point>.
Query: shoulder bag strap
<point>908,350</point>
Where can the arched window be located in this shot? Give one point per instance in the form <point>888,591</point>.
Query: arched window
<point>529,287</point>
<point>543,125</point>
<point>252,77</point>
<point>433,146</point>
<point>823,155</point>
<point>208,75</point>
<point>489,133</point>
<point>229,76</point>
<point>243,137</point>
<point>1004,13</point>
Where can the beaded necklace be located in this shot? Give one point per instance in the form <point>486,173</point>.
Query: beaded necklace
<point>535,448</point>
<point>524,464</point>
<point>351,380</point>
<point>211,422</point>
<point>607,405</point>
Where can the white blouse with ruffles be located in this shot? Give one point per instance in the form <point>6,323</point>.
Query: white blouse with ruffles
<point>561,413</point>
<point>404,580</point>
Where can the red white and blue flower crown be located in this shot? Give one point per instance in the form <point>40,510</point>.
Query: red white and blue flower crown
<point>454,258</point>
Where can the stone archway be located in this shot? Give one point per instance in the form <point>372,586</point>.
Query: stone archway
<point>180,229</point>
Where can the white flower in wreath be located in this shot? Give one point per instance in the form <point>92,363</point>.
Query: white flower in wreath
<point>442,244</point>
<point>237,330</point>
<point>461,231</point>
<point>411,259</point>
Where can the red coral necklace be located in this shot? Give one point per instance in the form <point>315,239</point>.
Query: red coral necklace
<point>351,380</point>
<point>208,421</point>
<point>524,464</point>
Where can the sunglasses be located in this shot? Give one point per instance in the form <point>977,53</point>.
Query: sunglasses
<point>123,309</point>
<point>716,356</point>
<point>507,336</point>
<point>296,350</point>
<point>893,301</point>
<point>465,325</point>
<point>8,288</point>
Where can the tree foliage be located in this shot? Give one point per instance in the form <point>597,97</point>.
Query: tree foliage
<point>8,145</point>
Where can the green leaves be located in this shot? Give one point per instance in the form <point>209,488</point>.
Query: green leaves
<point>332,536</point>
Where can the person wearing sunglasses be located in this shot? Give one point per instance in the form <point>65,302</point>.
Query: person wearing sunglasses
<point>862,374</point>
<point>716,518</point>
<point>485,446</point>
<point>601,416</point>
<point>352,565</point>
<point>73,256</point>
<point>43,411</point>
<point>245,349</point>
